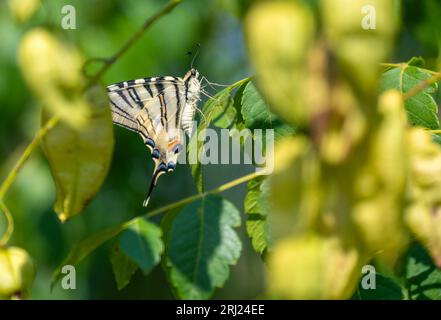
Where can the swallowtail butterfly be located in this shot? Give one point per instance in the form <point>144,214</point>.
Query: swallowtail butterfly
<point>157,108</point>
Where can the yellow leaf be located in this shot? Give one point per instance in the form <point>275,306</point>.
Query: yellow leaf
<point>305,267</point>
<point>279,34</point>
<point>53,72</point>
<point>16,273</point>
<point>360,34</point>
<point>380,183</point>
<point>423,215</point>
<point>22,10</point>
<point>80,159</point>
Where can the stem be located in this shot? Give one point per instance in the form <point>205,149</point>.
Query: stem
<point>420,86</point>
<point>110,61</point>
<point>4,187</point>
<point>10,224</point>
<point>240,82</point>
<point>435,131</point>
<point>184,201</point>
<point>392,65</point>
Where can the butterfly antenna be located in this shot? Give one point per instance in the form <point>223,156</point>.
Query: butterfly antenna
<point>195,55</point>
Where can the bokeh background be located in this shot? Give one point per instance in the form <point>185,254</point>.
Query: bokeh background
<point>102,27</point>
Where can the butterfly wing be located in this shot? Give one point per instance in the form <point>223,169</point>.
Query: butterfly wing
<point>157,108</point>
<point>148,106</point>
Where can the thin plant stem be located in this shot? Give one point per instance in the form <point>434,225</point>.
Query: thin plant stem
<point>6,184</point>
<point>187,200</point>
<point>10,224</point>
<point>422,85</point>
<point>108,62</point>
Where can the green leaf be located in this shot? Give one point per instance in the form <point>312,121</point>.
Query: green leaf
<point>422,277</point>
<point>80,158</point>
<point>385,289</point>
<point>142,243</point>
<point>201,246</point>
<point>257,115</point>
<point>256,207</point>
<point>221,110</point>
<point>213,108</point>
<point>237,103</point>
<point>84,247</point>
<point>421,108</point>
<point>123,267</point>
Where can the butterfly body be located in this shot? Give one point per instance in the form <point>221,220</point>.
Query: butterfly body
<point>159,109</point>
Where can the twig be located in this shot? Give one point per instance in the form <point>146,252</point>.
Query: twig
<point>4,187</point>
<point>392,65</point>
<point>10,224</point>
<point>110,61</point>
<point>420,86</point>
<point>184,201</point>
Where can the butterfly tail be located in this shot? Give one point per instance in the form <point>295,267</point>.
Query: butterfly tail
<point>158,171</point>
<point>152,186</point>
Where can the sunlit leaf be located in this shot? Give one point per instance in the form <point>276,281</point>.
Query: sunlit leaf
<point>142,243</point>
<point>423,210</point>
<point>351,33</point>
<point>23,10</point>
<point>219,110</point>
<point>56,80</point>
<point>79,159</point>
<point>214,108</point>
<point>421,108</point>
<point>17,273</point>
<point>305,266</point>
<point>202,245</point>
<point>123,267</point>
<point>279,37</point>
<point>257,115</point>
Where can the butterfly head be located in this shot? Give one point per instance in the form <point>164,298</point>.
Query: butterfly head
<point>193,84</point>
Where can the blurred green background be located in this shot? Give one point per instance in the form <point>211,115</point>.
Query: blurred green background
<point>102,27</point>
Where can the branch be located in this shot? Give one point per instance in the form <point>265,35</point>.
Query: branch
<point>422,85</point>
<point>108,62</point>
<point>10,224</point>
<point>78,252</point>
<point>184,201</point>
<point>4,187</point>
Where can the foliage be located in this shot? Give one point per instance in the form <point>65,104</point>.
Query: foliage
<point>357,158</point>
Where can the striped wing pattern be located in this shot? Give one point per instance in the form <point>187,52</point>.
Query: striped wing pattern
<point>149,105</point>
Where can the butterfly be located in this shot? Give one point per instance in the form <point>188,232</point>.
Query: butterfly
<point>159,109</point>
